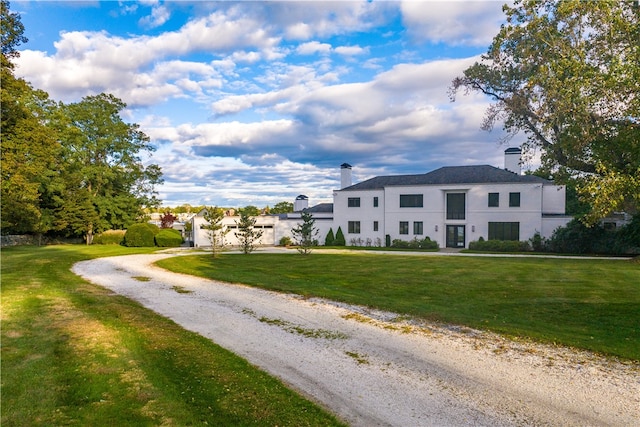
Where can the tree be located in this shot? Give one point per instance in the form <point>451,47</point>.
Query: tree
<point>304,233</point>
<point>103,167</point>
<point>282,207</point>
<point>567,74</point>
<point>167,220</point>
<point>247,234</point>
<point>216,230</point>
<point>330,238</point>
<point>339,240</point>
<point>250,210</point>
<point>11,33</point>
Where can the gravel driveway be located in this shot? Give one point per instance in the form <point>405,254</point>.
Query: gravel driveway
<point>373,369</point>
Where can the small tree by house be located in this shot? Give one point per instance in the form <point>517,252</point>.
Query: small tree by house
<point>167,220</point>
<point>304,233</point>
<point>329,240</point>
<point>216,230</point>
<point>247,235</point>
<point>339,240</point>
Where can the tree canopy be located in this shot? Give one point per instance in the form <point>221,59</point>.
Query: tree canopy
<point>74,169</point>
<point>567,74</point>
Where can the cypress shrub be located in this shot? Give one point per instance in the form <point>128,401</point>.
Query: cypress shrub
<point>330,239</point>
<point>139,235</point>
<point>339,240</point>
<point>168,238</point>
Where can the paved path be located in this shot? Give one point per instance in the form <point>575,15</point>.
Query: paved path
<point>372,370</point>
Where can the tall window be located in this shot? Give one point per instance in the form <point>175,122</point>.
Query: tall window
<point>375,225</point>
<point>353,202</point>
<point>494,200</point>
<point>455,205</point>
<point>504,231</point>
<point>354,227</point>
<point>375,202</point>
<point>514,200</point>
<point>418,227</point>
<point>411,200</point>
<point>404,227</point>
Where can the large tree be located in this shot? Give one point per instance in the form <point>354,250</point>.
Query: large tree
<point>107,183</point>
<point>30,150</point>
<point>567,74</point>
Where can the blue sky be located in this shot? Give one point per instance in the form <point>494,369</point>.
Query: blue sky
<point>253,103</point>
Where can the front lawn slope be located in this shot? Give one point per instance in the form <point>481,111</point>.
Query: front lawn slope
<point>77,354</point>
<point>588,304</point>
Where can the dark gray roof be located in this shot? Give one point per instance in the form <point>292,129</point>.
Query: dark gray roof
<point>320,208</point>
<point>483,174</point>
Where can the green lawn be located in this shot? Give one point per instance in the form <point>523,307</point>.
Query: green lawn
<point>588,304</point>
<point>76,354</point>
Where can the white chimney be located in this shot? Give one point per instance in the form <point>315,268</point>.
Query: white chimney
<point>345,175</point>
<point>301,203</point>
<point>512,159</point>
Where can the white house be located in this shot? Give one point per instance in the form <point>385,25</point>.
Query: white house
<point>451,205</point>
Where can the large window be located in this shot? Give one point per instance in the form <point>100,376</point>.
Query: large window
<point>504,231</point>
<point>514,200</point>
<point>404,227</point>
<point>353,202</point>
<point>354,227</point>
<point>411,201</point>
<point>494,200</point>
<point>455,205</point>
<point>375,202</point>
<point>418,227</point>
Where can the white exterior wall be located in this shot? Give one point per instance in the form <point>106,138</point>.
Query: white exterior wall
<point>554,199</point>
<point>366,214</point>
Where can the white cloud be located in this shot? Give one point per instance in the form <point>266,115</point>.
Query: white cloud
<point>159,15</point>
<point>468,22</point>
<point>313,47</point>
<point>351,50</point>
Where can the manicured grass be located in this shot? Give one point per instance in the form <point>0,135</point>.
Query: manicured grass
<point>76,354</point>
<point>588,304</point>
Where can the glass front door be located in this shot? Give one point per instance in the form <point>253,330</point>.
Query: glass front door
<point>455,236</point>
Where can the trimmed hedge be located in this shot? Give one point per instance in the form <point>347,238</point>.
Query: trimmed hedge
<point>168,238</point>
<point>425,243</point>
<point>140,235</point>
<point>499,246</point>
<point>339,240</point>
<point>328,241</point>
<point>109,237</point>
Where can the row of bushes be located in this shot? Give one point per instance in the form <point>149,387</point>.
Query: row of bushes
<point>575,238</point>
<point>425,243</point>
<point>141,235</point>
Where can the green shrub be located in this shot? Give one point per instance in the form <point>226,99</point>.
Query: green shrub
<point>499,246</point>
<point>330,239</point>
<point>154,228</point>
<point>576,238</point>
<point>339,240</point>
<point>139,235</point>
<point>285,241</point>
<point>425,243</point>
<point>168,238</point>
<point>109,237</point>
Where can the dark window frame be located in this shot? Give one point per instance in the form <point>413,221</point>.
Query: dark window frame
<point>375,226</point>
<point>453,205</point>
<point>418,228</point>
<point>504,231</point>
<point>353,227</point>
<point>412,200</point>
<point>514,200</point>
<point>375,201</point>
<point>404,227</point>
<point>494,200</point>
<point>353,202</point>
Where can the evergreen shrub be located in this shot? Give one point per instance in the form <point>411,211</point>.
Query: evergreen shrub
<point>339,240</point>
<point>168,238</point>
<point>139,235</point>
<point>330,239</point>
